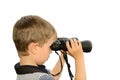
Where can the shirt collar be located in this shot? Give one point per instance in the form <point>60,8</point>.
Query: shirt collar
<point>24,69</point>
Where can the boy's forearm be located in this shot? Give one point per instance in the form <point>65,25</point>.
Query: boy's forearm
<point>80,73</point>
<point>57,68</point>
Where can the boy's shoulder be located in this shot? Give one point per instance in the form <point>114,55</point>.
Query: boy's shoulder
<point>29,72</point>
<point>34,76</point>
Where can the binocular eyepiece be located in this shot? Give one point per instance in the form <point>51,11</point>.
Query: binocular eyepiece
<point>60,44</point>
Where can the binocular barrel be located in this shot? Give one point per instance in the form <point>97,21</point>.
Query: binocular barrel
<point>60,44</point>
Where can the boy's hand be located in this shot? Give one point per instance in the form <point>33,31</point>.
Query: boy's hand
<point>75,49</point>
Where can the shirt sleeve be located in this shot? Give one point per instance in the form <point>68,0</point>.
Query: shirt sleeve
<point>46,77</point>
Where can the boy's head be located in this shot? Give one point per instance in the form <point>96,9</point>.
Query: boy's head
<point>30,29</point>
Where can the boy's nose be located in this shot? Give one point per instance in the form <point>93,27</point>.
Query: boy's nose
<point>50,51</point>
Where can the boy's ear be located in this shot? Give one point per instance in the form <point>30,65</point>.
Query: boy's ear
<point>32,47</point>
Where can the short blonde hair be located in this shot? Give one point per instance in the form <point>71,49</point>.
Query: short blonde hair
<point>29,29</point>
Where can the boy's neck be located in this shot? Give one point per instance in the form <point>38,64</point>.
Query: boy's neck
<point>27,60</point>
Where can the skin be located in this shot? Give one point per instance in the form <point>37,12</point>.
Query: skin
<point>57,67</point>
<point>34,58</point>
<point>75,50</point>
<point>37,55</point>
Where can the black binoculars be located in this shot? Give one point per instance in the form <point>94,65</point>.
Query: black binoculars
<point>60,44</point>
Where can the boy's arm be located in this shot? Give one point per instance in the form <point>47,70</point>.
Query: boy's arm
<point>57,67</point>
<point>75,50</point>
<point>80,73</point>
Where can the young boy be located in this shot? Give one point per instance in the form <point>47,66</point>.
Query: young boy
<point>33,37</point>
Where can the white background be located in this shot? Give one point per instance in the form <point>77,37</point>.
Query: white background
<point>94,20</point>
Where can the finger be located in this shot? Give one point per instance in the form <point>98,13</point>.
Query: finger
<point>68,44</point>
<point>62,51</point>
<point>75,42</point>
<point>79,43</point>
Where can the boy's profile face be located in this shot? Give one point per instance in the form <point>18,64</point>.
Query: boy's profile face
<point>44,51</point>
